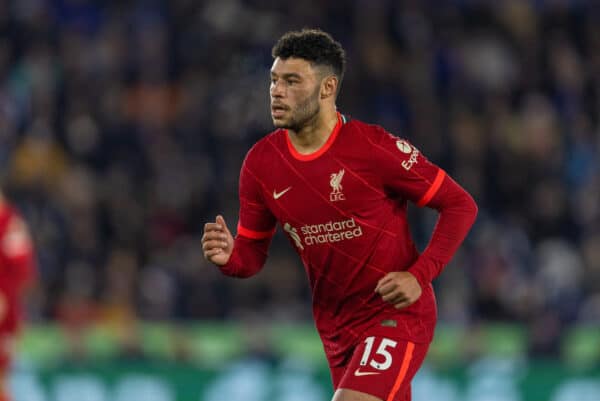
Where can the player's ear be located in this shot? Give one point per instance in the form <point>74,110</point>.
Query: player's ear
<point>329,86</point>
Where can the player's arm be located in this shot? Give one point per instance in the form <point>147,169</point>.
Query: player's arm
<point>408,172</point>
<point>244,255</point>
<point>240,256</point>
<point>457,213</point>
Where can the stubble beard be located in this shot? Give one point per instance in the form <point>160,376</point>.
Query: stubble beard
<point>305,113</point>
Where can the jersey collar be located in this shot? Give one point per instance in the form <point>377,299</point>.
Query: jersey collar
<point>312,156</point>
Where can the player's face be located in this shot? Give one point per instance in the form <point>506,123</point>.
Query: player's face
<point>295,93</point>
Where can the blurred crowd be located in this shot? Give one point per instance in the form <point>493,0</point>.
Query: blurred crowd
<point>123,125</point>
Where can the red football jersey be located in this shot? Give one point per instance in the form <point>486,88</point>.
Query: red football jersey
<point>343,209</point>
<point>16,265</point>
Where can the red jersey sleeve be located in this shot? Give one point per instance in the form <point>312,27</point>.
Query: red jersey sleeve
<point>408,173</point>
<point>404,169</point>
<point>255,229</point>
<point>457,213</point>
<point>256,221</point>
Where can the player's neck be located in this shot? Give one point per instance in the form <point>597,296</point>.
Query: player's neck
<point>312,136</point>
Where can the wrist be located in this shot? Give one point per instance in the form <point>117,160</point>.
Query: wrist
<point>419,275</point>
<point>230,267</point>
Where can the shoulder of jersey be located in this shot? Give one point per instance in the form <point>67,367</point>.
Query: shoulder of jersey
<point>365,129</point>
<point>264,146</point>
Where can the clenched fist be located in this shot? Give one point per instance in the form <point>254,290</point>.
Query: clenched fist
<point>217,242</point>
<point>400,289</point>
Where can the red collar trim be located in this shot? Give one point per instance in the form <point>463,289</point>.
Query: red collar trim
<point>321,150</point>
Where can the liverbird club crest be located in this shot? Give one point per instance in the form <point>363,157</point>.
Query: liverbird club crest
<point>336,186</point>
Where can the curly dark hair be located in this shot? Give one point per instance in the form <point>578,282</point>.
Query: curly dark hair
<point>315,46</point>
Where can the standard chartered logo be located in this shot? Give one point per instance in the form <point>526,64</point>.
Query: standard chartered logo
<point>322,233</point>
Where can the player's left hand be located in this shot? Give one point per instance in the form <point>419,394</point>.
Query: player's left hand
<point>400,289</point>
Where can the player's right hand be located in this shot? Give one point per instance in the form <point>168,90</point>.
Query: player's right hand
<point>217,242</point>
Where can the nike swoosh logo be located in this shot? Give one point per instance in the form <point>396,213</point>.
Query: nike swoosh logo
<point>357,372</point>
<point>277,195</point>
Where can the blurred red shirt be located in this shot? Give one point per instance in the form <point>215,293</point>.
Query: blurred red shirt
<point>17,266</point>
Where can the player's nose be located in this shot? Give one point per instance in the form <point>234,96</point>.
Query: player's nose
<point>277,90</point>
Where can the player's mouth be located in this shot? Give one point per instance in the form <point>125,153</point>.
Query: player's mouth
<point>278,110</point>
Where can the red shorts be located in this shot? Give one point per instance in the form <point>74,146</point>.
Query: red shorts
<point>381,365</point>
